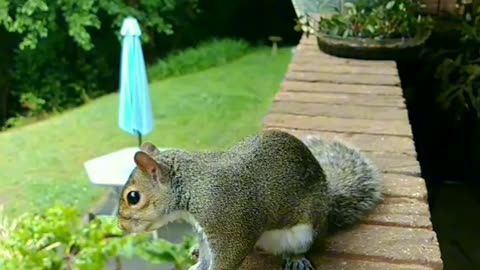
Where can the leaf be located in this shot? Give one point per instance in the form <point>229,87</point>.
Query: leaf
<point>371,28</point>
<point>349,5</point>
<point>53,245</point>
<point>390,5</point>
<point>160,257</point>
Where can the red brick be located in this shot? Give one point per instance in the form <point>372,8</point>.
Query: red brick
<point>342,99</point>
<point>343,69</point>
<point>363,142</point>
<point>328,60</point>
<point>340,111</point>
<point>397,185</point>
<point>401,212</point>
<point>325,87</point>
<point>321,262</point>
<point>369,79</point>
<point>397,220</point>
<point>388,244</point>
<point>322,123</point>
<point>309,50</point>
<point>339,263</point>
<point>396,163</point>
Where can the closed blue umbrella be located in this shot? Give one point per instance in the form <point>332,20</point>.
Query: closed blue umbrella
<point>135,109</point>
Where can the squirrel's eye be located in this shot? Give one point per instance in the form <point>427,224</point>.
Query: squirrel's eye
<point>133,197</point>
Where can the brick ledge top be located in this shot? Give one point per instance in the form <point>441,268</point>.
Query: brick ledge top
<point>360,102</point>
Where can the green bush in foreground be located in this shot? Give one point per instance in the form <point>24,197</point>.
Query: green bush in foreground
<point>206,55</point>
<point>60,239</point>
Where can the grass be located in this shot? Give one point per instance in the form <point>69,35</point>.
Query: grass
<point>42,163</point>
<point>206,55</point>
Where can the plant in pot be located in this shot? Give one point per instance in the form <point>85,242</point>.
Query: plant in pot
<point>370,29</point>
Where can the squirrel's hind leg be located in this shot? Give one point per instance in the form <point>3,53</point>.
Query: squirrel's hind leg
<point>292,243</point>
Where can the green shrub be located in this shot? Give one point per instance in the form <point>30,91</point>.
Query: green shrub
<point>61,239</point>
<point>458,71</point>
<point>206,55</point>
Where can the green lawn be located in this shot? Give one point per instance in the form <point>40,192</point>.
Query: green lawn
<point>42,163</point>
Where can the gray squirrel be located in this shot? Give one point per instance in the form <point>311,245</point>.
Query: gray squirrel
<point>271,192</point>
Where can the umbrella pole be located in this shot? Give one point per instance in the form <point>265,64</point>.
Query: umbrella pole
<point>139,138</point>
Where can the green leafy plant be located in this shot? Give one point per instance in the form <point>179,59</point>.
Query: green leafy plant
<point>459,71</point>
<point>374,19</point>
<point>58,240</point>
<point>161,251</point>
<point>61,239</point>
<point>32,103</point>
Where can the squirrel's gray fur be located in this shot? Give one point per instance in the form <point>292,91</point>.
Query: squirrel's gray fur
<point>354,183</point>
<point>268,182</point>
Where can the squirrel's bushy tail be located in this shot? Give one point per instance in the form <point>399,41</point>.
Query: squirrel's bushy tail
<point>354,183</point>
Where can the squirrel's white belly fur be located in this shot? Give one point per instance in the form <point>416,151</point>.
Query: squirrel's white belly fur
<point>295,239</point>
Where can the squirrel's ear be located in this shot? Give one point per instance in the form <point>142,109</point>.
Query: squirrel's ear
<point>150,166</point>
<point>150,149</point>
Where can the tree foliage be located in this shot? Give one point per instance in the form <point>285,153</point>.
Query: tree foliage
<point>35,19</point>
<point>49,61</point>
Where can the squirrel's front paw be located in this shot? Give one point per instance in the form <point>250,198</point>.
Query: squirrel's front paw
<point>301,263</point>
<point>195,254</point>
